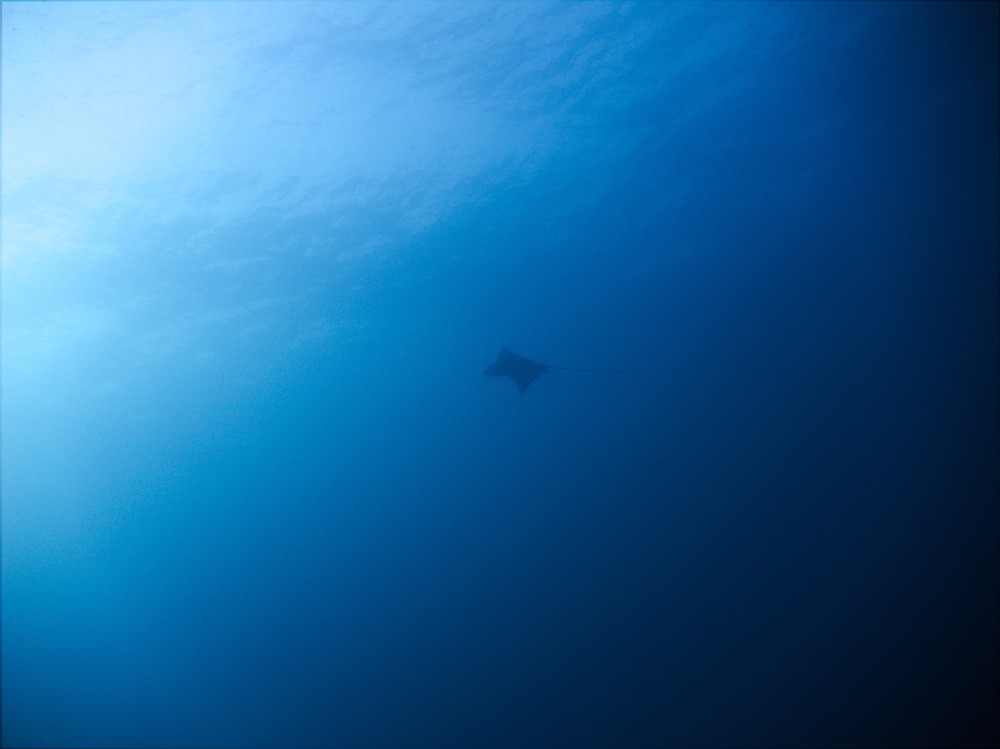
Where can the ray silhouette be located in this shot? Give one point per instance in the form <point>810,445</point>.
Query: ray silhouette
<point>525,371</point>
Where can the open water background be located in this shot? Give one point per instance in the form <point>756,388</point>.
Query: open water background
<point>257,492</point>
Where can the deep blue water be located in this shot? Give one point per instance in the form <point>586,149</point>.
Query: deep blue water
<point>258,493</point>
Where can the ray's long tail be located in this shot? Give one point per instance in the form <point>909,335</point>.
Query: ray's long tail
<point>614,371</point>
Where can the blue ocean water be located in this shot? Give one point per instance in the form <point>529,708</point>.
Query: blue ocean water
<point>258,493</point>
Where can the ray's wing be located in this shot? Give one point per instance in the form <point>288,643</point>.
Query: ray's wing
<point>524,377</point>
